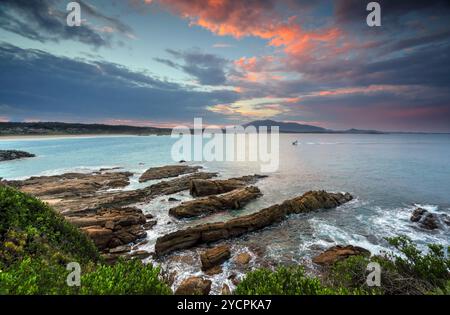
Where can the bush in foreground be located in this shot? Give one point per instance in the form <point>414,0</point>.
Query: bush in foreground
<point>36,244</point>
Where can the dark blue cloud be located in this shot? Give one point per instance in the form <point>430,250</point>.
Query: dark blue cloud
<point>43,21</point>
<point>37,84</point>
<point>208,69</point>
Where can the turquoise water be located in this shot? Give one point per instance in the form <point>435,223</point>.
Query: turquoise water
<point>389,175</point>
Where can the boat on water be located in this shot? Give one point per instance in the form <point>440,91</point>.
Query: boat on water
<point>295,142</point>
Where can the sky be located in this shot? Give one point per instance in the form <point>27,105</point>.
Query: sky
<point>164,62</point>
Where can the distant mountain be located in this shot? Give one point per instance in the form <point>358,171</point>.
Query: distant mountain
<point>299,128</point>
<point>288,127</point>
<point>59,128</point>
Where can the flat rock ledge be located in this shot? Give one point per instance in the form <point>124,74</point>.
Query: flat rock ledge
<point>338,253</point>
<point>203,187</point>
<point>235,199</point>
<point>9,155</point>
<point>211,232</point>
<point>167,171</point>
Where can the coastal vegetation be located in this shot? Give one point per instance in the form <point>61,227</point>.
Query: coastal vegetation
<point>37,244</point>
<point>409,271</point>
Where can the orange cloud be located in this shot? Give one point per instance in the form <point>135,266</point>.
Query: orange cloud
<point>250,18</point>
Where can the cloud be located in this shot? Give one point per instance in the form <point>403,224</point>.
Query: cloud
<point>43,21</point>
<point>38,84</point>
<point>208,69</point>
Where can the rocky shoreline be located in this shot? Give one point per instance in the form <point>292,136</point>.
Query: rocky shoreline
<point>99,204</point>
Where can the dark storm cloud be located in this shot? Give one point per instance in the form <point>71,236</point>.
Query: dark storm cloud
<point>43,21</point>
<point>208,69</point>
<point>37,83</point>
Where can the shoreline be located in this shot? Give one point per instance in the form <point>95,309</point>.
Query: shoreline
<point>63,136</point>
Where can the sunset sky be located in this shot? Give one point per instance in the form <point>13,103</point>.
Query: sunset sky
<point>164,62</point>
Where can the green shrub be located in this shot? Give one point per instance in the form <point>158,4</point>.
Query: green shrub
<point>124,277</point>
<point>410,272</point>
<point>37,243</point>
<point>32,227</point>
<point>34,277</point>
<point>432,267</point>
<point>286,281</point>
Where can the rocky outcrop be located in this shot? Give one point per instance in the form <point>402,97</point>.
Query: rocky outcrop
<point>211,232</point>
<point>194,286</point>
<point>338,253</point>
<point>9,155</point>
<point>202,187</point>
<point>215,256</point>
<point>105,216</point>
<point>105,199</point>
<point>428,220</point>
<point>234,199</point>
<point>167,171</point>
<point>110,228</point>
<point>71,184</point>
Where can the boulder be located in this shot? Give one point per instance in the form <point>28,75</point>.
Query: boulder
<point>215,256</point>
<point>242,259</point>
<point>338,253</point>
<point>203,187</point>
<point>225,290</point>
<point>194,286</point>
<point>99,235</point>
<point>211,232</point>
<point>167,171</point>
<point>235,199</point>
<point>428,220</point>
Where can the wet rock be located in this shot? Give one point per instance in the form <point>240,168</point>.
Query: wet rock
<point>167,171</point>
<point>417,214</point>
<point>149,216</point>
<point>235,199</point>
<point>225,290</point>
<point>214,270</point>
<point>9,155</point>
<point>215,256</point>
<point>211,232</point>
<point>171,199</point>
<point>150,224</point>
<point>120,249</point>
<point>428,220</point>
<point>234,279</point>
<point>140,254</point>
<point>194,286</point>
<point>242,259</point>
<point>202,187</point>
<point>338,253</point>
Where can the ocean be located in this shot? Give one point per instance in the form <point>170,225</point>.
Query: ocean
<point>388,174</point>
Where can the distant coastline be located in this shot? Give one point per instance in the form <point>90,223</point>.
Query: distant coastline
<point>49,130</point>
